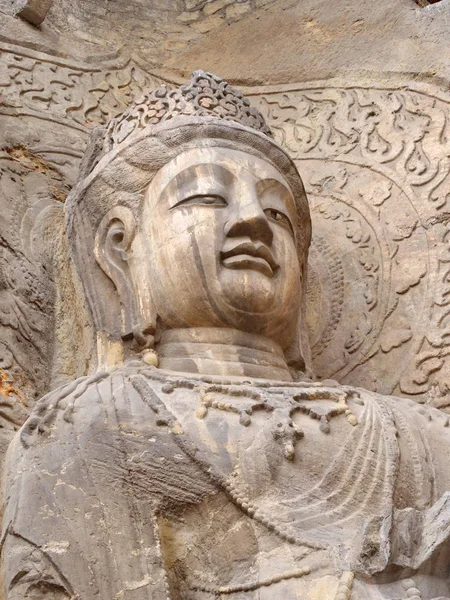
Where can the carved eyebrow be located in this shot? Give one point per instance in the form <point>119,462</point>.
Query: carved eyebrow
<point>261,173</point>
<point>184,181</point>
<point>264,185</point>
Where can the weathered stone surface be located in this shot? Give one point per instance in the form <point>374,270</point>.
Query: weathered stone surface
<point>326,126</point>
<point>370,142</point>
<point>33,11</point>
<point>198,458</point>
<point>275,42</point>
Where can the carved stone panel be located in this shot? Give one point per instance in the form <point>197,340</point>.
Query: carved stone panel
<point>375,160</point>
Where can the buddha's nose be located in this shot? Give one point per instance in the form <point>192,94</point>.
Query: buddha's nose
<point>248,219</point>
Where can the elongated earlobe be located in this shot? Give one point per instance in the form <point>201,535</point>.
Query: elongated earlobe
<point>112,250</point>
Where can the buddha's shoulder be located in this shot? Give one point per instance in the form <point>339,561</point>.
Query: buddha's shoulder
<point>119,402</point>
<point>420,429</point>
<point>406,408</point>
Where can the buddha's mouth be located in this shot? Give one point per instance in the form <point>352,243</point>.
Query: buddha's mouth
<point>249,256</point>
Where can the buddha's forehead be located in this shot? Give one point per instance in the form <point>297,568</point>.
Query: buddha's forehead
<point>221,161</point>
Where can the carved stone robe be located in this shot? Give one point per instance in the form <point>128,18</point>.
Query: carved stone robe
<point>140,484</point>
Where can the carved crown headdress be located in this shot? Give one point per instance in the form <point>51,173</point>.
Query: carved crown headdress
<point>206,95</point>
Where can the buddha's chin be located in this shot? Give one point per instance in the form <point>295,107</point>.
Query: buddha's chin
<point>248,290</point>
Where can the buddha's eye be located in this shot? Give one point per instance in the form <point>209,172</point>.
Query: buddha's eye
<point>202,200</point>
<point>276,215</point>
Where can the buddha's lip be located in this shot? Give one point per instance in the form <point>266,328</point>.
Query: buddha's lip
<point>248,251</point>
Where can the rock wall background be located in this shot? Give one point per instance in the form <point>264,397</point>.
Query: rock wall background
<point>358,93</point>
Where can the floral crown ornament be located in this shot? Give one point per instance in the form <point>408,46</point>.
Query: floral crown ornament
<point>206,95</point>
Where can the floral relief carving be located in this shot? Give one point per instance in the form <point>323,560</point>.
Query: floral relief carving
<point>399,137</point>
<point>86,96</point>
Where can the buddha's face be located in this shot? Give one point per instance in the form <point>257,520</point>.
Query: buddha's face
<point>217,245</point>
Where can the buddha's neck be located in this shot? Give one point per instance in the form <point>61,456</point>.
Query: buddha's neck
<point>220,351</point>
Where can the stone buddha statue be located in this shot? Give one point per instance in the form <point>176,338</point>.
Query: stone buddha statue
<point>201,460</point>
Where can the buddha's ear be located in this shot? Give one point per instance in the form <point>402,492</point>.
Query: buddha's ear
<point>112,251</point>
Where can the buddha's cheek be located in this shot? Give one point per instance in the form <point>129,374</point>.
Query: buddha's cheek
<point>181,260</point>
<point>179,284</point>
